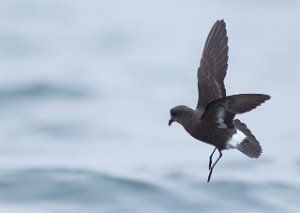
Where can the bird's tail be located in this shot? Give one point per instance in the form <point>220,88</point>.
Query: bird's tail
<point>249,146</point>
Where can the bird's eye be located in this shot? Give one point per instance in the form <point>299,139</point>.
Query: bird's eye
<point>173,113</point>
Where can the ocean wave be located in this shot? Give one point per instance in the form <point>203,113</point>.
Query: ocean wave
<point>41,90</point>
<point>79,186</point>
<point>108,193</point>
<point>246,196</point>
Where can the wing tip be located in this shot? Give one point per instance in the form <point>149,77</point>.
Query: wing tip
<point>220,21</point>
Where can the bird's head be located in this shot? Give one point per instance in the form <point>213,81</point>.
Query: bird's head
<point>180,114</point>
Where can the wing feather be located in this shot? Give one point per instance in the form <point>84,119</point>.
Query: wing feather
<point>213,66</point>
<point>222,111</point>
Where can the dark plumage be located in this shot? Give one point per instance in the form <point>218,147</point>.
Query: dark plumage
<point>213,66</point>
<point>213,121</point>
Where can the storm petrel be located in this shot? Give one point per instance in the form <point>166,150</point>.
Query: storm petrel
<point>213,120</point>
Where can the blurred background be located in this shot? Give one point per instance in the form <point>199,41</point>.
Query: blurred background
<point>85,92</point>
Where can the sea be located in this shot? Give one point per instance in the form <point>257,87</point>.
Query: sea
<point>85,92</point>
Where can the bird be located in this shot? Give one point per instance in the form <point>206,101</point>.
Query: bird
<point>213,121</point>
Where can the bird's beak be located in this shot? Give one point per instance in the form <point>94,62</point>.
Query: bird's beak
<point>171,121</point>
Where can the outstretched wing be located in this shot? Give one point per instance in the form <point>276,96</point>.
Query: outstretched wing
<point>222,111</point>
<point>213,66</point>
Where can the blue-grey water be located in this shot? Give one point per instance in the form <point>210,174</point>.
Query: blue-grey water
<point>85,93</point>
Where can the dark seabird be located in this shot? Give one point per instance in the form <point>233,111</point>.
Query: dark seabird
<point>213,120</point>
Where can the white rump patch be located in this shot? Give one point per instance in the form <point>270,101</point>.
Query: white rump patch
<point>236,139</point>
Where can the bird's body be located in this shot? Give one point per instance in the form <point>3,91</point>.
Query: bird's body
<point>203,130</point>
<point>213,120</point>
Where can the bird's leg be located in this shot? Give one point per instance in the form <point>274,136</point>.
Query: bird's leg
<point>210,158</point>
<point>211,169</point>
